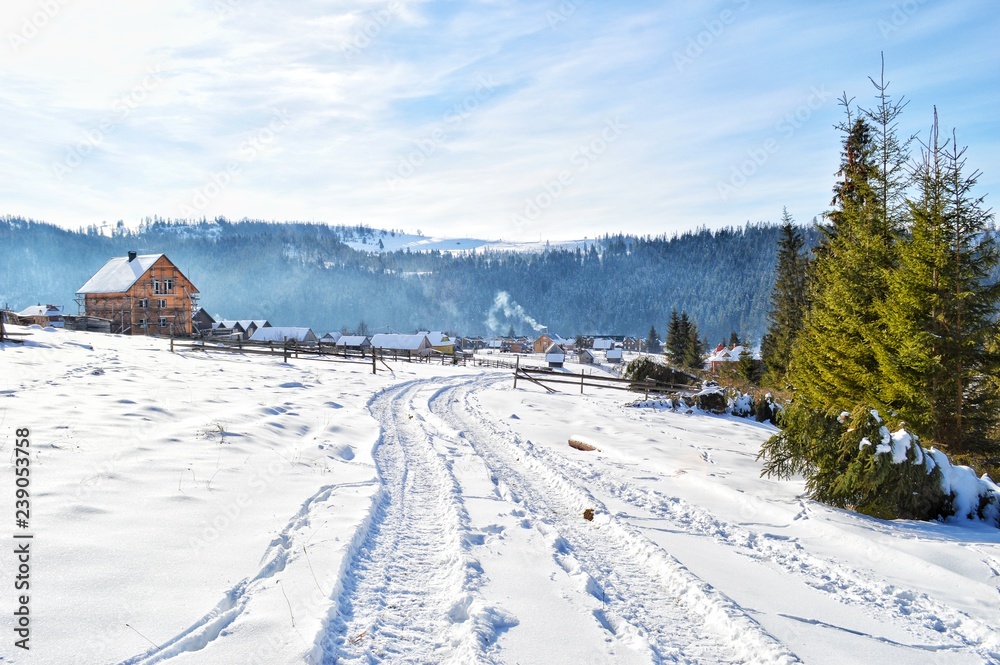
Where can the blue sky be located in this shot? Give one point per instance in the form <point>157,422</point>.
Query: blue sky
<point>526,120</point>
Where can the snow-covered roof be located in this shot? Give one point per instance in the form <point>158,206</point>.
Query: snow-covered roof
<point>352,340</point>
<point>603,343</point>
<point>400,342</point>
<point>726,355</point>
<point>332,335</point>
<point>436,338</point>
<point>555,349</point>
<point>281,333</point>
<point>119,274</point>
<point>42,310</point>
<point>613,354</point>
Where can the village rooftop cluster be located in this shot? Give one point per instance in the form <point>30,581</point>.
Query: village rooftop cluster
<point>147,294</point>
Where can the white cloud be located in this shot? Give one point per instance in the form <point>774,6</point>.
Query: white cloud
<point>389,121</point>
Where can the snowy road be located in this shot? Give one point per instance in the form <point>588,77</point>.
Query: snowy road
<point>416,589</point>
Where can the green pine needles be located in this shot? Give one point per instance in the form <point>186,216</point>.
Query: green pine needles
<point>895,328</point>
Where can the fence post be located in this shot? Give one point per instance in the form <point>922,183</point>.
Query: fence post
<point>285,348</point>
<point>517,368</point>
<point>171,338</point>
<point>374,367</point>
<point>581,382</point>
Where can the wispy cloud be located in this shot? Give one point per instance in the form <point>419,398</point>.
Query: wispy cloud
<point>452,117</point>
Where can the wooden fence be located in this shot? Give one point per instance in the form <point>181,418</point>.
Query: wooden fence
<point>544,376</point>
<point>313,351</point>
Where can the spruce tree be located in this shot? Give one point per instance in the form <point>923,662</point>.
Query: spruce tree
<point>788,302</point>
<point>653,340</point>
<point>940,313</point>
<point>833,367</point>
<point>675,339</point>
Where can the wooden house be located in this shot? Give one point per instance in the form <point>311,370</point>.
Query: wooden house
<point>284,334</point>
<point>43,315</point>
<point>520,346</point>
<point>634,344</point>
<point>201,322</point>
<point>245,327</point>
<point>613,355</point>
<point>141,295</point>
<point>330,339</point>
<point>586,357</point>
<point>439,341</point>
<point>545,340</point>
<point>356,343</point>
<point>555,356</point>
<point>402,345</point>
<point>603,344</point>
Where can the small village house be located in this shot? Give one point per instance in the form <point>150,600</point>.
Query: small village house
<point>202,321</point>
<point>603,344</point>
<point>43,315</point>
<point>284,334</point>
<point>586,357</point>
<point>245,327</point>
<point>545,340</point>
<point>555,356</point>
<point>356,343</point>
<point>440,342</point>
<point>613,355</point>
<point>402,345</point>
<point>141,295</point>
<point>330,338</point>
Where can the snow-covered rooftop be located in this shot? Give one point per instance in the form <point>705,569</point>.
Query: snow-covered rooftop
<point>119,274</point>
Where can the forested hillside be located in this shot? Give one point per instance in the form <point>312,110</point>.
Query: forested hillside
<point>304,274</point>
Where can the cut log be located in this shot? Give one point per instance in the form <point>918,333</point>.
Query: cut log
<point>579,444</point>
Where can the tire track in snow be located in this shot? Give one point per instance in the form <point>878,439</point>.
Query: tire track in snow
<point>409,593</point>
<point>648,595</point>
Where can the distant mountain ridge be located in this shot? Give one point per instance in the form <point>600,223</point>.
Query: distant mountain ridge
<point>332,277</point>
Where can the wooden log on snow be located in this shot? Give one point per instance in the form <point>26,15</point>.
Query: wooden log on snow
<point>580,444</point>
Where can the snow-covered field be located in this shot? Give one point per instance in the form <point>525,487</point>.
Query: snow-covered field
<point>233,510</point>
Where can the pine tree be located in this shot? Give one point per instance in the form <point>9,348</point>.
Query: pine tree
<point>788,302</point>
<point>833,367</point>
<point>653,340</point>
<point>675,339</point>
<point>734,340</point>
<point>693,346</point>
<point>939,316</point>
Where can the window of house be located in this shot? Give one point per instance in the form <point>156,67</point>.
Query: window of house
<point>142,322</point>
<point>143,303</point>
<point>157,286</point>
<point>168,285</point>
<point>162,302</point>
<point>163,322</point>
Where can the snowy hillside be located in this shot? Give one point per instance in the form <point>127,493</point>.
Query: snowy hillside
<point>220,509</point>
<point>382,241</point>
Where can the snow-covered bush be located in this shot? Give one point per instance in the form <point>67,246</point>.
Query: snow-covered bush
<point>890,475</point>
